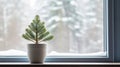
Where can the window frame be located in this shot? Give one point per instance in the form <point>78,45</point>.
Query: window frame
<point>110,24</point>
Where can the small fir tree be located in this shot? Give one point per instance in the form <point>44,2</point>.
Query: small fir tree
<point>37,32</point>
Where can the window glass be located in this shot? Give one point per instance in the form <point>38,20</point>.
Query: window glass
<point>77,26</point>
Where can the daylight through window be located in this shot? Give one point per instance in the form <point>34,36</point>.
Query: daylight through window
<point>77,26</point>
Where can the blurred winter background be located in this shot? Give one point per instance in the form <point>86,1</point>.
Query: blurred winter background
<point>77,26</point>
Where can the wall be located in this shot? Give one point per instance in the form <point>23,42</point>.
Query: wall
<point>117,30</point>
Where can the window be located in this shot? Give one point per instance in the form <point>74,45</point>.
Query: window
<point>80,28</point>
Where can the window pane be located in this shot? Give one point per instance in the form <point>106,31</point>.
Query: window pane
<point>77,26</point>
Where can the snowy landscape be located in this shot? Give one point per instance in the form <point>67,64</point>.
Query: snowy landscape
<point>77,26</point>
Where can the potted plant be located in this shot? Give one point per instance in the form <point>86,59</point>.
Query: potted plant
<point>37,33</point>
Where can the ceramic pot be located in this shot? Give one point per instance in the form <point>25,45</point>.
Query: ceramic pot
<point>36,53</point>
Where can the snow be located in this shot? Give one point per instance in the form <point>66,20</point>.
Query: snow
<point>97,54</point>
<point>13,52</point>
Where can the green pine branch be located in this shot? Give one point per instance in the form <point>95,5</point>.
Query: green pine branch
<point>37,32</point>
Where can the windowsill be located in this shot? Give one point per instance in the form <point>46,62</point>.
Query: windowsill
<point>62,63</point>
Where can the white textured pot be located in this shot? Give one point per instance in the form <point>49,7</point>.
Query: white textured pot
<point>36,53</point>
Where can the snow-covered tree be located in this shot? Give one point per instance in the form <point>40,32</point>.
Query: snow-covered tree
<point>93,27</point>
<point>14,15</point>
<point>73,22</point>
<point>2,25</point>
<point>64,21</point>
